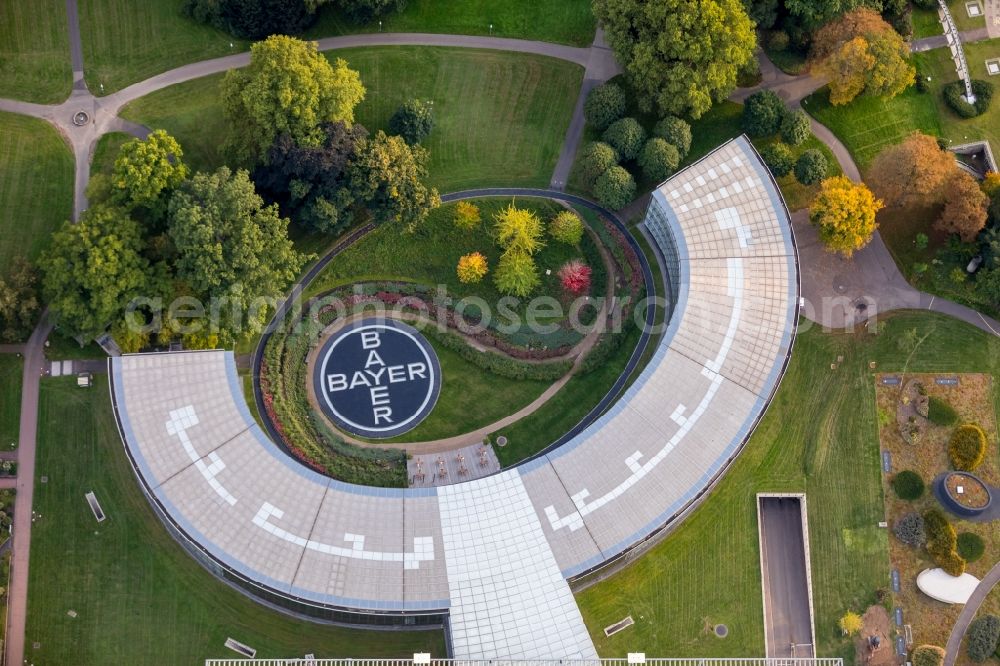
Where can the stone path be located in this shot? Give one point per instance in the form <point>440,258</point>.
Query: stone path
<point>968,614</point>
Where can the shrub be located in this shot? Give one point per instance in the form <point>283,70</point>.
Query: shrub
<point>605,104</point>
<point>795,127</point>
<point>676,132</point>
<point>626,136</point>
<point>908,485</point>
<point>811,167</point>
<point>951,563</point>
<point>472,268</point>
<point>850,623</point>
<point>970,546</point>
<point>516,274</point>
<point>597,158</point>
<point>762,113</point>
<point>941,413</point>
<point>566,227</point>
<point>928,655</point>
<point>467,215</point>
<point>940,534</point>
<point>518,230</point>
<point>658,159</point>
<point>413,121</point>
<point>615,188</point>
<point>777,40</point>
<point>574,276</point>
<point>778,158</point>
<point>910,530</point>
<point>967,447</point>
<point>954,95</point>
<point>983,636</point>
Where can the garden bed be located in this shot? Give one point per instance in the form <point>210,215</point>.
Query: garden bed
<point>972,399</point>
<point>967,490</point>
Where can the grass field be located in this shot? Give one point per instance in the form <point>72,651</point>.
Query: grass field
<point>563,21</point>
<point>36,185</point>
<point>139,597</point>
<point>962,19</point>
<point>34,51</point>
<point>819,436</point>
<point>500,118</point>
<point>11,369</point>
<point>470,398</point>
<point>126,41</point>
<point>106,151</point>
<point>926,23</point>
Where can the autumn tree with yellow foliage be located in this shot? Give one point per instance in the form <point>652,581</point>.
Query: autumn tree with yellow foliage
<point>472,268</point>
<point>965,208</point>
<point>861,54</point>
<point>844,213</point>
<point>850,623</point>
<point>913,173</point>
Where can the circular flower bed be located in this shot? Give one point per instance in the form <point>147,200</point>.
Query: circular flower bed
<point>966,494</point>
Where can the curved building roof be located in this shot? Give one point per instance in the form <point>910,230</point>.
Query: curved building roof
<point>496,552</point>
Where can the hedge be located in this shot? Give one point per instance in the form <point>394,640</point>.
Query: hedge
<point>503,366</point>
<point>908,485</point>
<point>941,413</point>
<point>942,542</point>
<point>954,95</point>
<point>928,655</point>
<point>970,546</point>
<point>967,447</point>
<point>983,636</point>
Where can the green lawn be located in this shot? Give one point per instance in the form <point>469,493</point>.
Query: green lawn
<point>125,41</point>
<point>470,399</point>
<point>36,185</point>
<point>11,369</point>
<point>34,51</point>
<point>819,436</point>
<point>563,21</point>
<point>926,23</point>
<point>500,118</point>
<point>106,151</point>
<point>140,598</point>
<point>962,19</point>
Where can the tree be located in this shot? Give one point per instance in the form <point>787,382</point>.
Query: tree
<point>680,56</point>
<point>795,127</point>
<point>615,188</point>
<point>472,268</point>
<point>566,227</point>
<point>413,121</point>
<point>810,15</point>
<point>252,19</point>
<point>988,285</point>
<point>363,11</point>
<point>388,176</point>
<point>574,277</point>
<point>778,158</point>
<point>19,302</point>
<point>597,158</point>
<point>518,230</point>
<point>811,167</point>
<point>861,53</point>
<point>991,184</point>
<point>762,113</point>
<point>92,270</point>
<point>913,173</point>
<point>467,215</point>
<point>288,88</point>
<point>676,132</point>
<point>232,250</point>
<point>845,215</point>
<point>516,274</point>
<point>982,637</point>
<point>658,159</point>
<point>625,136</point>
<point>310,183</point>
<point>605,104</point>
<point>850,623</point>
<point>967,447</point>
<point>965,207</point>
<point>146,171</point>
<point>928,655</point>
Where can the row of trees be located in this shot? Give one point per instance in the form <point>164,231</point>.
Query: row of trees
<point>219,239</point>
<point>257,19</point>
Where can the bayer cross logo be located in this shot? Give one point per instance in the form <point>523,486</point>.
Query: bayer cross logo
<point>377,378</point>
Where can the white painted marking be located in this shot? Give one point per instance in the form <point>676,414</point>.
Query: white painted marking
<point>182,419</point>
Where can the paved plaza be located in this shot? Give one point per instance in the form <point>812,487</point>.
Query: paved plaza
<point>496,552</point>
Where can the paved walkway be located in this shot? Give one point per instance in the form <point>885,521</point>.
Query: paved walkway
<point>968,614</point>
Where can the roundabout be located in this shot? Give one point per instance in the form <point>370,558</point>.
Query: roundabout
<point>493,554</point>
